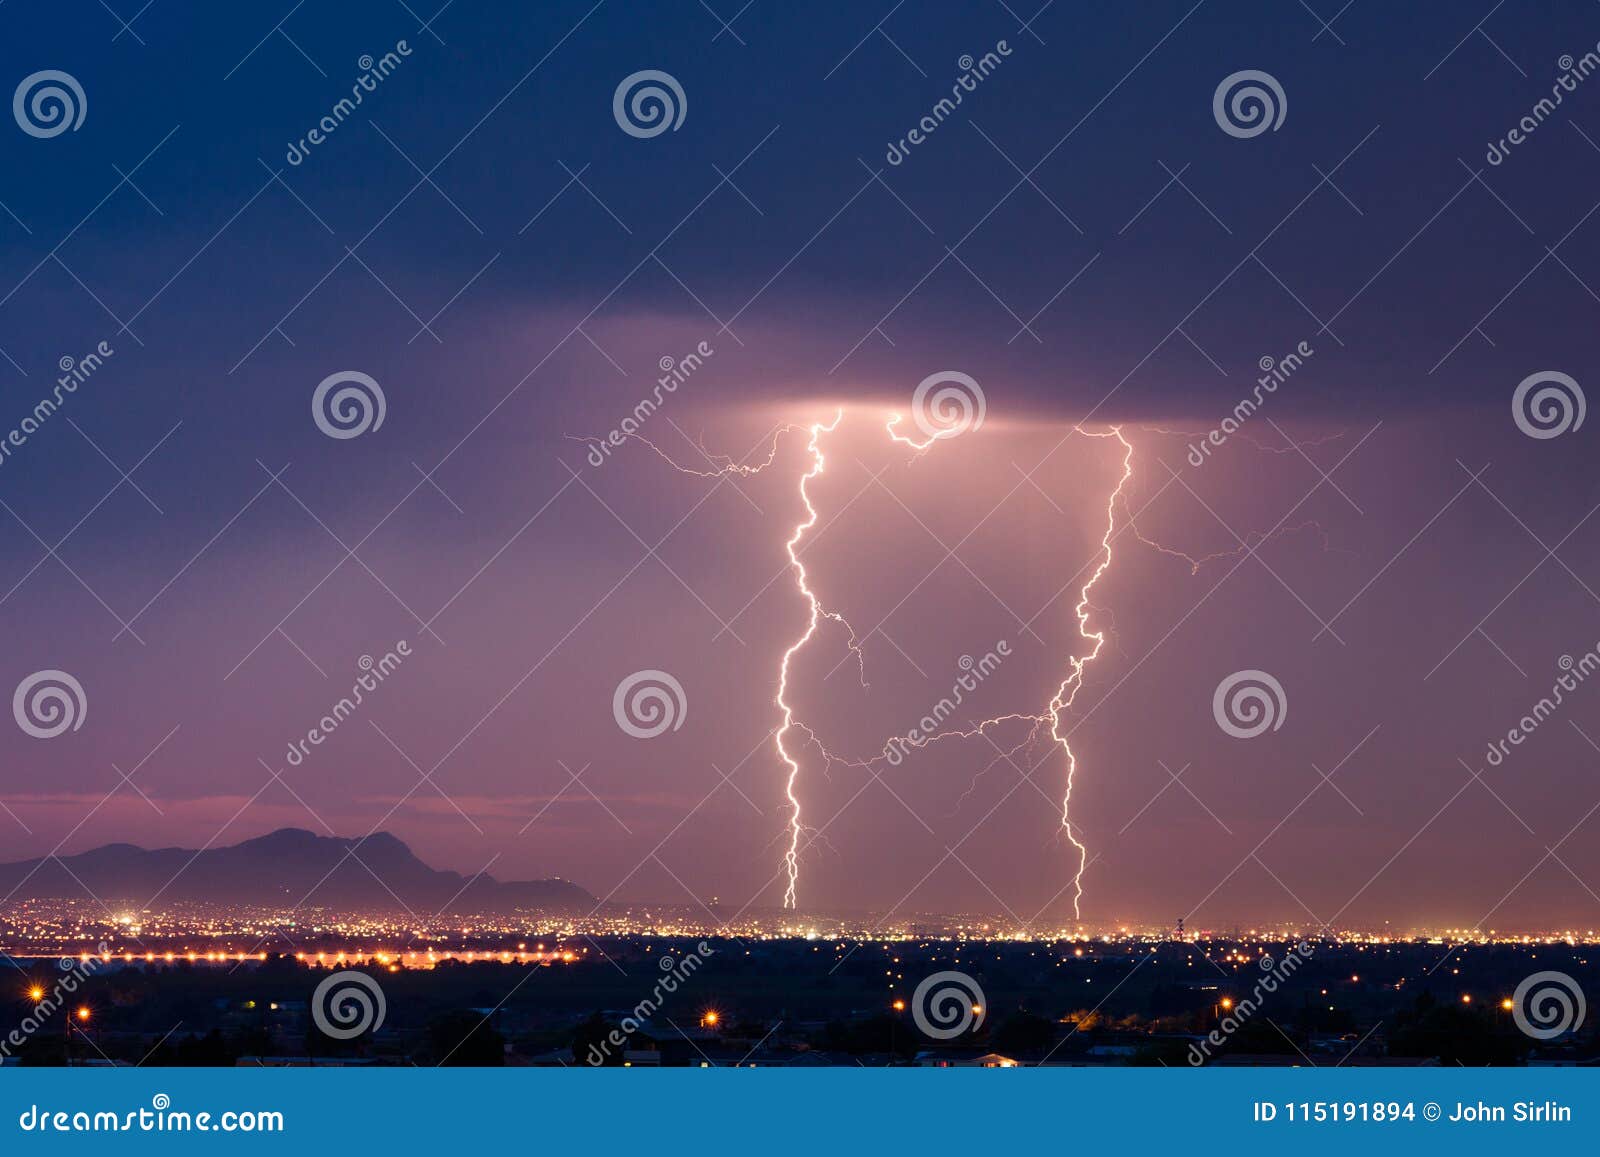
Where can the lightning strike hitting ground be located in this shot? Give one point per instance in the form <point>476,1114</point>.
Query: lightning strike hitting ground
<point>721,467</point>
<point>1061,702</point>
<point>791,858</point>
<point>1068,691</point>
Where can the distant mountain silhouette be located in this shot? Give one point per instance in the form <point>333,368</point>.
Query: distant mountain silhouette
<point>286,868</point>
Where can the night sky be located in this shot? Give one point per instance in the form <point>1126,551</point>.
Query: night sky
<point>1080,235</point>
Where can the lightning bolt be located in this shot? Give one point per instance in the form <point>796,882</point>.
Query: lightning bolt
<point>1060,703</point>
<point>1292,445</point>
<point>1066,694</point>
<point>1252,540</point>
<point>791,858</point>
<point>1068,691</point>
<point>722,466</point>
<point>919,447</point>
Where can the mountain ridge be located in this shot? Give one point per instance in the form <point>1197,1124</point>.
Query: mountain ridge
<point>284,868</point>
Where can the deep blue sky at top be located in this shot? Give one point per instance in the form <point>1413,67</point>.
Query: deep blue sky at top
<point>788,77</point>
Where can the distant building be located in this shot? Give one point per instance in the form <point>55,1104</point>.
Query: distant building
<point>964,1059</point>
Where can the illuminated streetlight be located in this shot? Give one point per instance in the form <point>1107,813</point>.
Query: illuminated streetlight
<point>709,1020</point>
<point>83,1012</point>
<point>36,993</point>
<point>899,1006</point>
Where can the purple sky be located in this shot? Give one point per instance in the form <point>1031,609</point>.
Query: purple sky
<point>1418,620</point>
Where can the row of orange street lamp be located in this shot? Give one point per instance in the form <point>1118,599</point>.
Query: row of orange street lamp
<point>710,1018</point>
<point>1226,1003</point>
